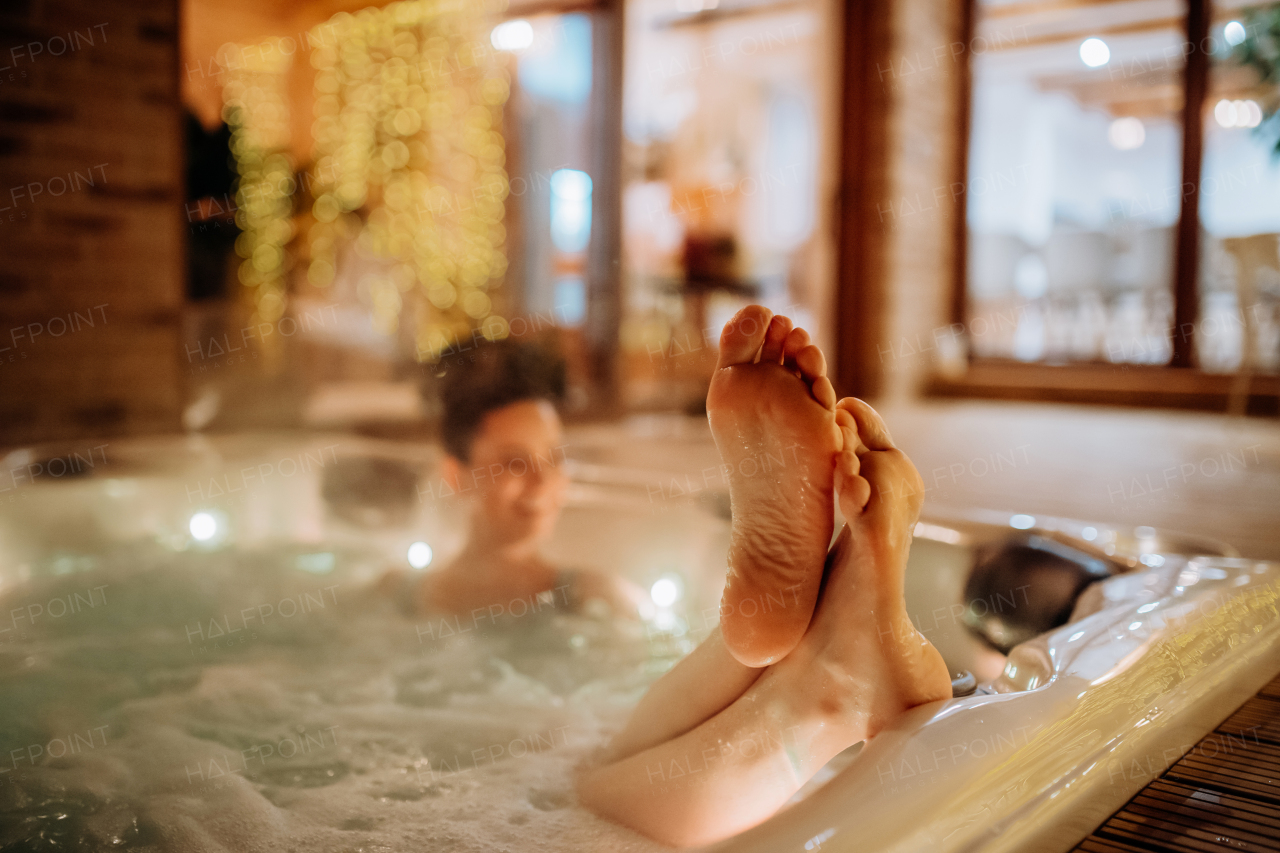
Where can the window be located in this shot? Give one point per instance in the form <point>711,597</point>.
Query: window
<point>1083,163</point>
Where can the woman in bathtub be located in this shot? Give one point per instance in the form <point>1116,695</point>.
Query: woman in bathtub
<point>505,451</point>
<point>725,738</point>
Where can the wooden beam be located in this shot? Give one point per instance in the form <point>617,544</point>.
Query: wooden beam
<point>1187,261</point>
<point>863,187</point>
<point>604,255</point>
<point>960,170</point>
<point>1131,28</point>
<point>527,8</point>
<point>1105,384</point>
<point>1036,7</point>
<point>718,14</point>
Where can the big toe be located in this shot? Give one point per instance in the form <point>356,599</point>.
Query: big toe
<point>743,335</point>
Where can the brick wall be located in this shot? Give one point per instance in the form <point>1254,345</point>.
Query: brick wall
<point>919,225</point>
<point>91,249</point>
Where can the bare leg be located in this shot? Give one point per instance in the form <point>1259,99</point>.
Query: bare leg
<point>844,682</point>
<point>702,685</point>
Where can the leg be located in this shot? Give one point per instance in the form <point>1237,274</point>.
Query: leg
<point>860,665</point>
<point>702,685</point>
<point>772,413</point>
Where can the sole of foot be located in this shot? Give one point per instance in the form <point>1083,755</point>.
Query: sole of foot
<point>772,413</point>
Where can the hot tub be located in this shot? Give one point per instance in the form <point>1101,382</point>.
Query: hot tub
<point>193,658</point>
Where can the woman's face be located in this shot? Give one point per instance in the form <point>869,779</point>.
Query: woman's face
<point>517,471</point>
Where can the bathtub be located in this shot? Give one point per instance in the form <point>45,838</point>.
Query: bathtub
<point>194,659</point>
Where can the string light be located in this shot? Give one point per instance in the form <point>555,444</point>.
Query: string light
<point>256,109</point>
<point>410,164</point>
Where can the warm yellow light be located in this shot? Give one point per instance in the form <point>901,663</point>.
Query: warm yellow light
<point>410,159</point>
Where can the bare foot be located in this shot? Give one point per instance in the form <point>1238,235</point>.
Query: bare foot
<point>772,413</point>
<point>870,662</point>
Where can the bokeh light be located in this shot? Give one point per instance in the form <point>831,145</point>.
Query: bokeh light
<point>1126,134</point>
<point>1094,53</point>
<point>410,167</point>
<point>203,526</point>
<point>419,555</point>
<point>256,109</point>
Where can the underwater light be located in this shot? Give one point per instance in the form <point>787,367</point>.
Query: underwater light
<point>1022,522</point>
<point>203,526</point>
<point>1094,53</point>
<point>419,555</point>
<point>1089,533</point>
<point>1234,33</point>
<point>664,592</point>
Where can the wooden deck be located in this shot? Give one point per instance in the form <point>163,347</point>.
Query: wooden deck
<point>1224,794</point>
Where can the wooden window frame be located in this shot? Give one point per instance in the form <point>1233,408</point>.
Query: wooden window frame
<point>1178,384</point>
<point>602,324</point>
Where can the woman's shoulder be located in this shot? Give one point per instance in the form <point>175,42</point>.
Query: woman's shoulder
<point>585,586</point>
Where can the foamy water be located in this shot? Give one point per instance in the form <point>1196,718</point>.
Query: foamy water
<point>268,701</point>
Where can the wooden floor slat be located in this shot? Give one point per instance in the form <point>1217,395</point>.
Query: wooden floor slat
<point>1257,719</point>
<point>1224,794</point>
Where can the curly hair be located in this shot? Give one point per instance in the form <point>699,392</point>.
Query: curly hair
<point>493,374</point>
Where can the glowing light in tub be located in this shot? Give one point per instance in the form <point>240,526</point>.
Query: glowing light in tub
<point>1089,533</point>
<point>1022,522</point>
<point>815,843</point>
<point>420,555</point>
<point>665,592</point>
<point>203,526</point>
<point>1234,33</point>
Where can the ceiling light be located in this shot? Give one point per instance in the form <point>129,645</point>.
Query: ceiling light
<point>512,35</point>
<point>1094,53</point>
<point>1126,134</point>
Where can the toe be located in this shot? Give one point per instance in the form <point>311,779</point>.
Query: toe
<point>871,427</point>
<point>797,340</point>
<point>823,392</point>
<point>812,363</point>
<point>743,335</point>
<point>845,421</point>
<point>774,339</point>
<point>852,490</point>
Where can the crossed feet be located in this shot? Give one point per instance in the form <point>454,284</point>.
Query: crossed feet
<point>792,451</point>
<point>823,645</point>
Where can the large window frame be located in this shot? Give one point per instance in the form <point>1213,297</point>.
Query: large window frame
<point>1176,384</point>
